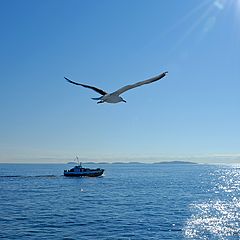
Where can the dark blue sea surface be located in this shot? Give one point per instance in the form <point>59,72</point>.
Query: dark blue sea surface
<point>131,201</point>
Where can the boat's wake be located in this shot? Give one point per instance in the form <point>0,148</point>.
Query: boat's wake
<point>22,176</point>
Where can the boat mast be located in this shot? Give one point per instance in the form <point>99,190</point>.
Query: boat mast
<point>79,163</point>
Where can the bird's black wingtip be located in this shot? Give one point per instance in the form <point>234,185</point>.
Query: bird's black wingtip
<point>68,80</point>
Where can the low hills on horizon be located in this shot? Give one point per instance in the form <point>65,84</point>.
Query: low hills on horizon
<point>162,162</point>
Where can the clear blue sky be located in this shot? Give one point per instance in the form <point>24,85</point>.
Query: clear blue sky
<point>193,113</point>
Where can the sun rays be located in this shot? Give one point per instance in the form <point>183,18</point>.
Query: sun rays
<point>201,21</point>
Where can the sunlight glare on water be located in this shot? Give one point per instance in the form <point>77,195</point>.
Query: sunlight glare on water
<point>218,218</point>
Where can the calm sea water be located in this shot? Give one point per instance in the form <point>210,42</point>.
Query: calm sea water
<point>131,201</point>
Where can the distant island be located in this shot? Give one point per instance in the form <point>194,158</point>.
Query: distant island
<point>175,162</point>
<point>89,163</point>
<point>164,162</point>
<point>135,162</point>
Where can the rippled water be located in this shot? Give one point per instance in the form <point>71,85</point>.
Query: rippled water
<point>218,216</point>
<point>132,201</point>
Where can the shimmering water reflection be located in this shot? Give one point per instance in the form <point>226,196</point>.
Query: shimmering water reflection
<point>219,216</point>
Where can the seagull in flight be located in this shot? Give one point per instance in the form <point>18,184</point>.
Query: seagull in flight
<point>114,97</point>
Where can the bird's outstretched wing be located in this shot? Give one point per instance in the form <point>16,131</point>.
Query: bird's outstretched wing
<point>150,80</point>
<point>100,91</point>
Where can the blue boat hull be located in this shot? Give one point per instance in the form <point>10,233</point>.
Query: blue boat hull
<point>96,173</point>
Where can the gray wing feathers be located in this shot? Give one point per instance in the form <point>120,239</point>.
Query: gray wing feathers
<point>138,84</point>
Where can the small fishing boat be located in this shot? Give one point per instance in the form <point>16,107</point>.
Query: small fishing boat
<point>79,171</point>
